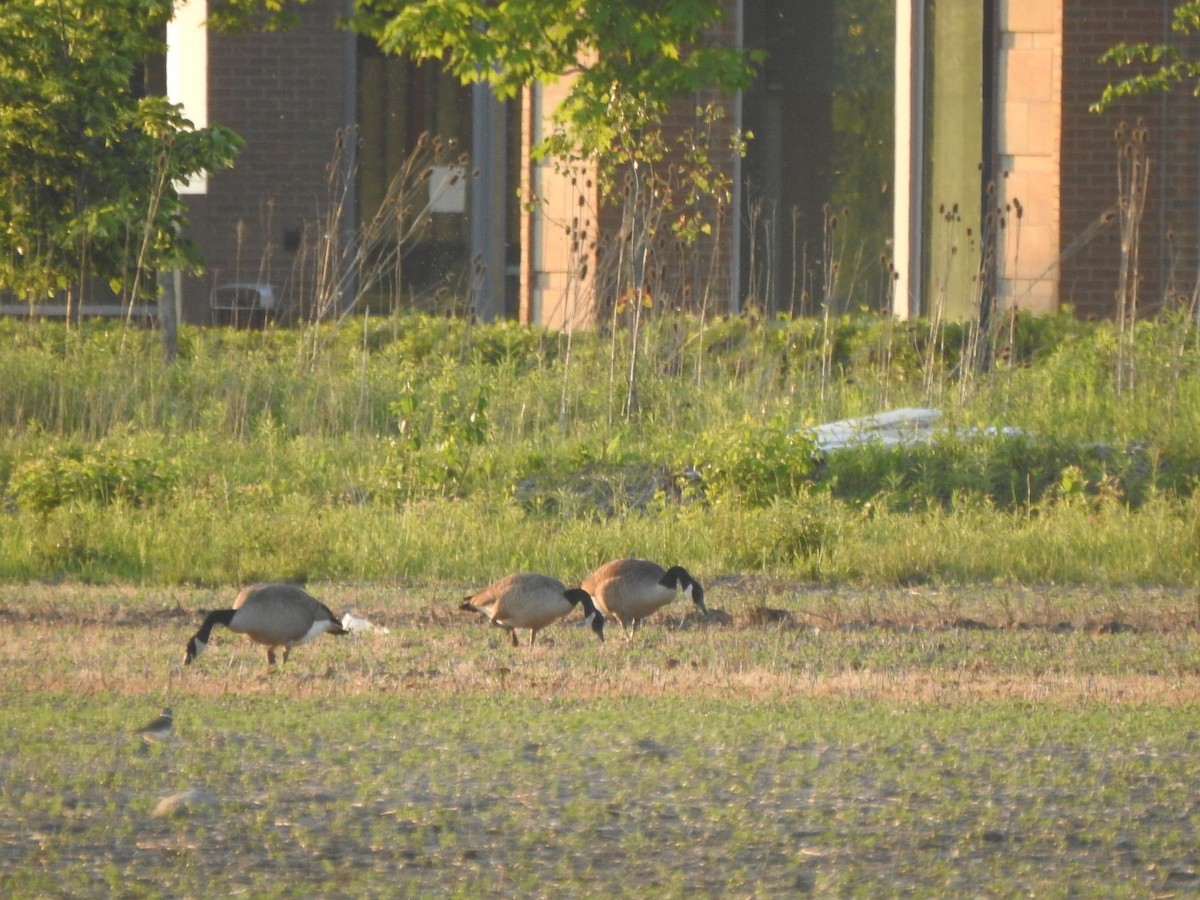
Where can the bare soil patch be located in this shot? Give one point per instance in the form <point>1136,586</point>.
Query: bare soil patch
<point>764,639</point>
<point>983,741</point>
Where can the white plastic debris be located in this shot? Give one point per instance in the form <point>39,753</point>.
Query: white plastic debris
<point>896,427</point>
<point>358,625</point>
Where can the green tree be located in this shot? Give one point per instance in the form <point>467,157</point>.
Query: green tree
<point>89,161</point>
<point>629,57</point>
<point>1173,66</point>
<point>232,16</point>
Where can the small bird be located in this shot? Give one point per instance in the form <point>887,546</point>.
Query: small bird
<point>275,615</point>
<point>158,729</point>
<point>629,590</point>
<point>532,601</point>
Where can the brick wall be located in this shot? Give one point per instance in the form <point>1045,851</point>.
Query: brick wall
<point>1089,235</point>
<point>1029,57</point>
<point>285,94</point>
<point>558,232</point>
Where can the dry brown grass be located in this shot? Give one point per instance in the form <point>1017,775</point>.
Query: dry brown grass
<point>765,641</point>
<point>990,741</point>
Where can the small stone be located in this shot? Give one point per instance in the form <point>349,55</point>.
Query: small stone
<point>183,803</point>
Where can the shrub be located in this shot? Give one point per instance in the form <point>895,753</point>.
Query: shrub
<point>1008,472</point>
<point>71,474</point>
<point>756,464</point>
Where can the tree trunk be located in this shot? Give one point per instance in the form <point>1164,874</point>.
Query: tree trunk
<point>168,313</point>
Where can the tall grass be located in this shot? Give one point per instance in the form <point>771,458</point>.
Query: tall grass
<point>422,447</point>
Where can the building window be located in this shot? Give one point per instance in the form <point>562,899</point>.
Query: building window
<point>817,208</point>
<point>953,157</point>
<point>400,101</point>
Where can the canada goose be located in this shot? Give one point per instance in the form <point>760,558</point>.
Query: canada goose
<point>629,590</point>
<point>531,601</point>
<point>158,729</point>
<point>276,615</point>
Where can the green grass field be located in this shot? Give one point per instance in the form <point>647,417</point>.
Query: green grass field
<point>964,669</point>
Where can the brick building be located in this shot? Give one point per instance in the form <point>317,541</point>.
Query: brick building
<point>893,144</point>
<point>1170,223</point>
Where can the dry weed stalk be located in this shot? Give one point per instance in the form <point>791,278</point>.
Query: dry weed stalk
<point>935,316</point>
<point>1133,177</point>
<point>665,253</point>
<point>985,328</point>
<point>343,262</point>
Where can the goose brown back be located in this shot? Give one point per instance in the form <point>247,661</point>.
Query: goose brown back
<point>630,589</point>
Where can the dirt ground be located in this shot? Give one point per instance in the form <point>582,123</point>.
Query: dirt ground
<point>923,741</point>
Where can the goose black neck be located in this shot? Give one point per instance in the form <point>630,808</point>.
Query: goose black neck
<point>676,577</point>
<point>214,618</point>
<point>579,595</point>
